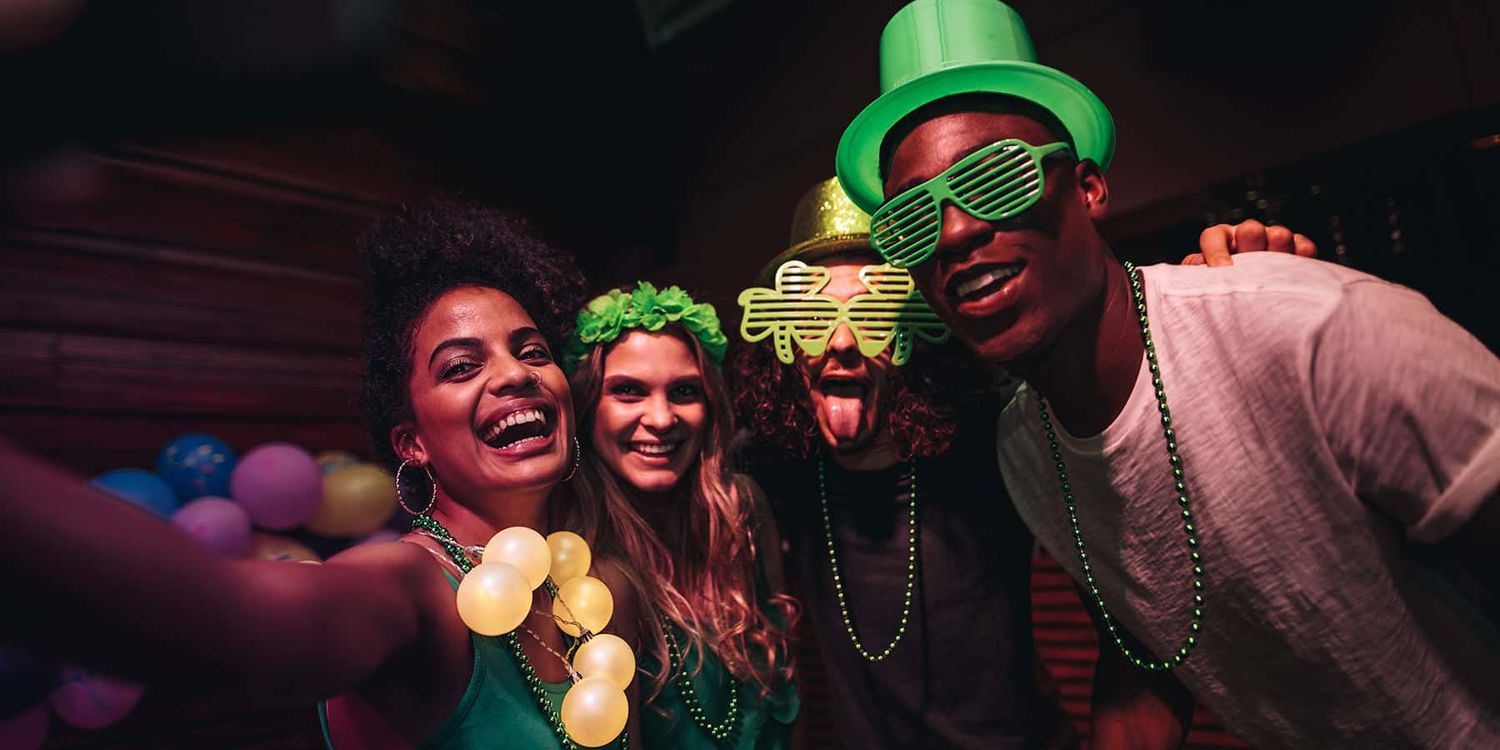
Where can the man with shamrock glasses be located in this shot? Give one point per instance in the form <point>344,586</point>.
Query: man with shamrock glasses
<point>873,430</point>
<point>870,431</point>
<point>1271,539</point>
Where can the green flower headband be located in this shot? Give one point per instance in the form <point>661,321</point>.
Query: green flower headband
<point>605,317</point>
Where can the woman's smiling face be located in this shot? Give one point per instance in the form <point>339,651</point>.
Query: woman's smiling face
<point>652,418</point>
<point>491,410</point>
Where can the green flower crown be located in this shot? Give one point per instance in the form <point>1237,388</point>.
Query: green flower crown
<point>605,317</point>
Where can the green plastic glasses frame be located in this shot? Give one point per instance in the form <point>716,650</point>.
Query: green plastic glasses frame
<point>995,183</point>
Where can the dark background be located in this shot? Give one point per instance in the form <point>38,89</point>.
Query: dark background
<point>181,183</point>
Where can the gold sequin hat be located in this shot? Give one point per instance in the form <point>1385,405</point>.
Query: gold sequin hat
<point>825,223</point>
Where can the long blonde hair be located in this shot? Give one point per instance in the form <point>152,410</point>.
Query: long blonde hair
<point>708,586</point>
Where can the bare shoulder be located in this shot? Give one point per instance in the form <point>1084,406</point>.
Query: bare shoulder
<point>421,684</point>
<point>403,558</point>
<point>409,566</point>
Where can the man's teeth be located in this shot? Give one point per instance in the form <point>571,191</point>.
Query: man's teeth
<point>985,279</point>
<point>654,449</point>
<point>525,416</point>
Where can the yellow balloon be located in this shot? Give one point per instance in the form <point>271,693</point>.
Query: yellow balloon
<point>493,598</point>
<point>272,547</point>
<point>585,600</point>
<point>357,500</point>
<point>606,655</point>
<point>594,711</point>
<point>523,548</point>
<point>570,556</point>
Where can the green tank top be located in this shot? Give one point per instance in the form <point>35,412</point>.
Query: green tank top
<point>764,723</point>
<point>497,710</point>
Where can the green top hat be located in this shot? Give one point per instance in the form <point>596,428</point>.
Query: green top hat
<point>934,49</point>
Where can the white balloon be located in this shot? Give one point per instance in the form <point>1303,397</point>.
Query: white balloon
<point>523,548</point>
<point>606,655</point>
<point>493,598</point>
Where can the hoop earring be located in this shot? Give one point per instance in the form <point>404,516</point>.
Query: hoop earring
<point>401,498</point>
<point>577,456</point>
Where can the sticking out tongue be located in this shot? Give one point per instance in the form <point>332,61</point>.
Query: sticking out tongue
<point>844,404</point>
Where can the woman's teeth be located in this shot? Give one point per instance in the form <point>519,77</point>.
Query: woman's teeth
<point>986,279</point>
<point>654,449</point>
<point>532,419</point>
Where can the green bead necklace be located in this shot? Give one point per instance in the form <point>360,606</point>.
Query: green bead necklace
<point>722,732</point>
<point>1178,477</point>
<point>462,560</point>
<point>912,541</point>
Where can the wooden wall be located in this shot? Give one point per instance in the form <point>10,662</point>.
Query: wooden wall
<point>174,293</point>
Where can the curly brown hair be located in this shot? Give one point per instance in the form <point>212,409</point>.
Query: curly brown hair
<point>415,255</point>
<point>929,398</point>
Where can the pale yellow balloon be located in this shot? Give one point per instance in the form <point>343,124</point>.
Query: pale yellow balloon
<point>606,655</point>
<point>523,548</point>
<point>357,500</point>
<point>586,600</point>
<point>493,598</point>
<point>570,556</point>
<point>594,711</point>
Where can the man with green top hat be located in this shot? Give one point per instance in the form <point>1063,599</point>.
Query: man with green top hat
<point>871,431</point>
<point>1278,542</point>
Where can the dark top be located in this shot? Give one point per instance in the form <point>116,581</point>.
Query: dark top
<point>964,675</point>
<point>764,722</point>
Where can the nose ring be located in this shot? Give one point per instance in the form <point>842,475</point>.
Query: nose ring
<point>535,377</point>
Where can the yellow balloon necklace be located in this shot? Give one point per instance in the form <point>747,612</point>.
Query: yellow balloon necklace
<point>495,596</point>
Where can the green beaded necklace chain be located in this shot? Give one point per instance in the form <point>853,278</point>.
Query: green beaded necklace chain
<point>912,541</point>
<point>1178,477</point>
<point>723,732</point>
<point>461,560</point>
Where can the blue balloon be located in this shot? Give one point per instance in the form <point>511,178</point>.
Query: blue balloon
<point>195,465</point>
<point>23,682</point>
<point>139,487</point>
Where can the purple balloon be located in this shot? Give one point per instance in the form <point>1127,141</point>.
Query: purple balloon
<point>220,525</point>
<point>92,701</point>
<point>279,484</point>
<point>26,730</point>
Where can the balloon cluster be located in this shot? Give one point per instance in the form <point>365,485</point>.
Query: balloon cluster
<point>495,597</point>
<point>229,503</point>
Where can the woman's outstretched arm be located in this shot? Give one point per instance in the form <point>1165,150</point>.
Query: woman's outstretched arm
<point>101,583</point>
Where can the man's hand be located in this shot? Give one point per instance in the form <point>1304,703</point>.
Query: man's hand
<point>1220,241</point>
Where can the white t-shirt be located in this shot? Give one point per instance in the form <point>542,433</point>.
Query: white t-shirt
<point>1325,419</point>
